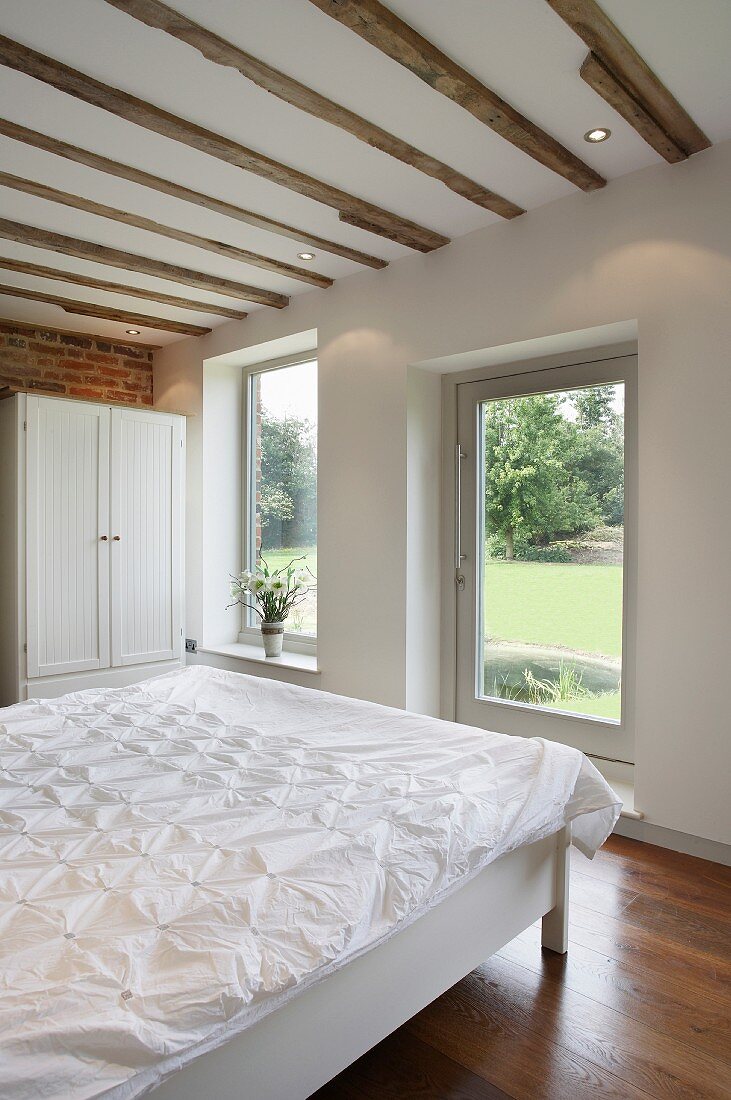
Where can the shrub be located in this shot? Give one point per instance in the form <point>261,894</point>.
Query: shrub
<point>546,553</point>
<point>525,550</point>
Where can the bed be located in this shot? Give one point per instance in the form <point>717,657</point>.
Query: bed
<point>225,886</point>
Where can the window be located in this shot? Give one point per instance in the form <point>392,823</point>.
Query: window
<point>553,549</point>
<point>545,553</point>
<point>281,507</point>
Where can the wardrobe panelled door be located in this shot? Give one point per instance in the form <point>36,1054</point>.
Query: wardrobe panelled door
<point>66,513</point>
<point>145,466</point>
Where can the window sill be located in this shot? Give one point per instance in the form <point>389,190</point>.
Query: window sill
<point>299,662</point>
<point>620,777</point>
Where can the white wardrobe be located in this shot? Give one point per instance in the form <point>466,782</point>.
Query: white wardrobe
<point>91,545</point>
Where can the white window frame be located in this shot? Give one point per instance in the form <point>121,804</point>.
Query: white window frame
<point>506,715</point>
<point>249,632</point>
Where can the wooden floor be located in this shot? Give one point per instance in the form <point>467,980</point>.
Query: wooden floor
<point>640,1007</point>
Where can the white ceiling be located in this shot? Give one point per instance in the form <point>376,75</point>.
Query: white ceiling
<point>518,47</point>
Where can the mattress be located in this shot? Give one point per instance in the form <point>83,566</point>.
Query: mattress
<point>180,857</point>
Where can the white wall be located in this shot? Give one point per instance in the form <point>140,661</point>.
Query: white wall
<point>423,538</point>
<point>655,246</point>
<point>222,504</point>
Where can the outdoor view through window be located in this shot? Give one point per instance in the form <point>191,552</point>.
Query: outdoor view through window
<point>283,465</point>
<point>553,479</point>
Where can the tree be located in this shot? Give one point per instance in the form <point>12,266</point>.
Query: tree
<point>288,483</point>
<point>531,487</point>
<point>275,503</point>
<point>599,461</point>
<point>599,454</point>
<point>594,406</point>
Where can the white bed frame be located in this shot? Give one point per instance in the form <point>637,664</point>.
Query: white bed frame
<point>291,1053</point>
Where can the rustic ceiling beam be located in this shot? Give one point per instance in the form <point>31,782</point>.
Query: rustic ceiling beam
<point>59,275</point>
<point>129,261</point>
<point>125,217</point>
<point>214,48</point>
<point>627,83</point>
<point>89,309</point>
<point>383,29</point>
<point>178,191</point>
<point>602,80</point>
<point>50,71</point>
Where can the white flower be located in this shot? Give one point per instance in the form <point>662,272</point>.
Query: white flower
<point>256,583</point>
<point>301,578</point>
<point>236,589</point>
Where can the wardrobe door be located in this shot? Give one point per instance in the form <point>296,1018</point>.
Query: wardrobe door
<point>146,536</point>
<point>67,536</point>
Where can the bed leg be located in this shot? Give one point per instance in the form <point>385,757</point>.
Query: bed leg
<point>555,924</point>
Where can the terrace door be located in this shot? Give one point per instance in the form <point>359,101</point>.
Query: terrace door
<point>544,554</point>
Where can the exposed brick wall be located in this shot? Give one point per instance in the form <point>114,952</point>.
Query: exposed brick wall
<point>87,367</point>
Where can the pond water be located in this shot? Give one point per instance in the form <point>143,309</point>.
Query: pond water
<point>509,669</point>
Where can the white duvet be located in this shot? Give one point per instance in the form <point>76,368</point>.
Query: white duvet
<point>179,857</point>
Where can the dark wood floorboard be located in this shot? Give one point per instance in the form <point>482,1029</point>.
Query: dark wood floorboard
<point>663,1003</point>
<point>639,1008</point>
<point>653,952</point>
<point>403,1065</point>
<point>649,855</point>
<point>638,1053</point>
<point>653,878</point>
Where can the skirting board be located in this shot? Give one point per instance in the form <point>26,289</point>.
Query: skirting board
<point>714,850</point>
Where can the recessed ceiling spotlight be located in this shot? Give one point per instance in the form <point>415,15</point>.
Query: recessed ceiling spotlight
<point>599,133</point>
<point>305,255</point>
<point>132,331</point>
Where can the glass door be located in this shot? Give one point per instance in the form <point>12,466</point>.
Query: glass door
<point>544,555</point>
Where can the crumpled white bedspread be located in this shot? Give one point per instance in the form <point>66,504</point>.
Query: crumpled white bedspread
<point>179,857</point>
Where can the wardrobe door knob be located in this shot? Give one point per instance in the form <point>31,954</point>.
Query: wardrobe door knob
<point>116,538</point>
<point>104,538</point>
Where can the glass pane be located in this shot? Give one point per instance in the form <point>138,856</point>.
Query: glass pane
<point>284,478</point>
<point>551,593</point>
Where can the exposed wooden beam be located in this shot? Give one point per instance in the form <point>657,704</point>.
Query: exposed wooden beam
<point>358,222</point>
<point>602,80</point>
<point>389,34</point>
<point>158,15</point>
<point>186,194</point>
<point>231,252</point>
<point>89,309</point>
<point>59,275</point>
<point>129,261</point>
<point>628,83</point>
<point>129,107</point>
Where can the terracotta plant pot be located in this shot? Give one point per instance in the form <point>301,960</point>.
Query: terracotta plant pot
<point>272,635</point>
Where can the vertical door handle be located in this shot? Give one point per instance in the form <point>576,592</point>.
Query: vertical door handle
<point>459,557</point>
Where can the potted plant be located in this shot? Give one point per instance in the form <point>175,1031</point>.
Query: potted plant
<point>274,593</point>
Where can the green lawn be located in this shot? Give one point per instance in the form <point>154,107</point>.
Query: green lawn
<point>277,559</point>
<point>600,706</point>
<point>576,606</point>
<point>303,619</point>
